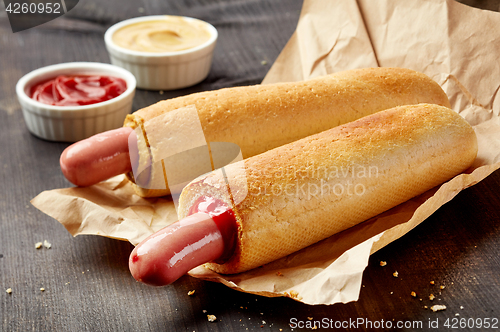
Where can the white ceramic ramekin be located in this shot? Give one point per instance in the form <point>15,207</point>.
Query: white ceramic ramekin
<point>163,71</point>
<point>74,123</point>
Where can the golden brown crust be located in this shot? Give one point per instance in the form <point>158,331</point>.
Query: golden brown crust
<point>262,117</point>
<point>295,195</point>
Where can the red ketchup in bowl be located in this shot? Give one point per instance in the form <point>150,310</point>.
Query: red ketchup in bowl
<point>78,90</point>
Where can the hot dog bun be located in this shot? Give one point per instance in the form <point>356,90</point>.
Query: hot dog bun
<point>291,197</point>
<point>262,117</point>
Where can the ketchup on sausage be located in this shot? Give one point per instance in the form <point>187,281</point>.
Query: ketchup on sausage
<point>223,218</point>
<point>78,90</point>
<point>206,235</point>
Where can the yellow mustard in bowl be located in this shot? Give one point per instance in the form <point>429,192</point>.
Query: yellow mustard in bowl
<point>172,34</point>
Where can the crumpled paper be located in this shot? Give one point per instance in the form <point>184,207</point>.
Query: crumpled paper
<point>454,44</point>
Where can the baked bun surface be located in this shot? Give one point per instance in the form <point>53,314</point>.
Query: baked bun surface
<point>298,194</point>
<point>262,117</point>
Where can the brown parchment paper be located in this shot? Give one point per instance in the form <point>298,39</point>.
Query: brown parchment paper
<point>454,44</point>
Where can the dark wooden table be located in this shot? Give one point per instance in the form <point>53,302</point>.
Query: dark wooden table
<point>86,279</point>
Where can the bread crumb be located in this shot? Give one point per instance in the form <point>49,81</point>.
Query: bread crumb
<point>314,327</point>
<point>263,62</point>
<point>383,263</point>
<point>46,244</point>
<point>191,292</point>
<point>395,274</point>
<point>425,307</point>
<point>457,314</point>
<point>413,294</point>
<point>462,307</point>
<point>161,92</point>
<point>204,311</point>
<point>441,287</point>
<point>432,282</point>
<point>42,289</point>
<point>438,307</point>
<point>8,290</point>
<point>294,295</point>
<point>211,318</point>
<point>431,297</point>
<point>310,318</point>
<point>38,245</point>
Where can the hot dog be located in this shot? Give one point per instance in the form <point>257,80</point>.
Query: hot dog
<point>97,158</point>
<point>262,117</point>
<point>207,234</point>
<point>290,197</point>
<point>171,252</point>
